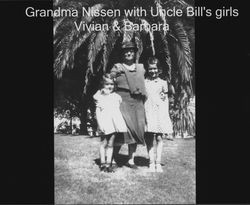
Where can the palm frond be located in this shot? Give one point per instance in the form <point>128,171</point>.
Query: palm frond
<point>162,16</point>
<point>90,49</point>
<point>96,43</point>
<point>167,53</point>
<point>183,122</point>
<point>178,4</point>
<point>139,43</point>
<point>87,77</point>
<point>183,52</point>
<point>57,23</point>
<point>68,47</point>
<point>109,45</point>
<point>127,33</point>
<point>150,32</point>
<point>69,5</point>
<point>70,41</point>
<point>191,35</point>
<point>62,57</point>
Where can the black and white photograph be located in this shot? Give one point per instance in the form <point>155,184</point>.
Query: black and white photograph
<point>124,102</point>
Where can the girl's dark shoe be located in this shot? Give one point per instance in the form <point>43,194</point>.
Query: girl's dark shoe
<point>114,166</point>
<point>110,169</point>
<point>132,166</point>
<point>103,168</point>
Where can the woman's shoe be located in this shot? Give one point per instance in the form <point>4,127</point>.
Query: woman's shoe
<point>132,166</point>
<point>110,169</point>
<point>103,168</point>
<point>114,166</point>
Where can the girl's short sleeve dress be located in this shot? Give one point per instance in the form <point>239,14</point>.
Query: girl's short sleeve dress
<point>108,115</point>
<point>157,107</point>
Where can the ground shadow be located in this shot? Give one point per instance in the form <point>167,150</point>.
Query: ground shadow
<point>94,136</point>
<point>97,161</point>
<point>122,159</point>
<point>141,161</point>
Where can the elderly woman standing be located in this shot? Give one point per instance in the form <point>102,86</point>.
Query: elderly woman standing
<point>129,78</point>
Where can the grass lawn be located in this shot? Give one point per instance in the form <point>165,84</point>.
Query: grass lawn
<point>79,181</point>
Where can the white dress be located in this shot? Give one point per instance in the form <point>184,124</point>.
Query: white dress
<point>108,114</point>
<point>157,107</point>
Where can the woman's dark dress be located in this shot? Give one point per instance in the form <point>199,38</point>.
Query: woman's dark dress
<point>131,87</point>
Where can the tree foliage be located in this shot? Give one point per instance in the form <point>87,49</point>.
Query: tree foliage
<point>94,52</point>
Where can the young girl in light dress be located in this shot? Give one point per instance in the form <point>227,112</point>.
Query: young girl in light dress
<point>109,119</point>
<point>157,114</point>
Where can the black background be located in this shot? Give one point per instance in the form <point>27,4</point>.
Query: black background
<point>27,141</point>
<point>223,105</point>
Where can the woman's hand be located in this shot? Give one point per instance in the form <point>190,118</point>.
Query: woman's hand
<point>163,96</point>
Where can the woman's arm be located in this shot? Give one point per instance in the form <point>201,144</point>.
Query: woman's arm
<point>97,96</point>
<point>115,71</point>
<point>164,86</point>
<point>164,91</point>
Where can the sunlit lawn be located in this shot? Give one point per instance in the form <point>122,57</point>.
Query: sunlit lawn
<point>79,181</point>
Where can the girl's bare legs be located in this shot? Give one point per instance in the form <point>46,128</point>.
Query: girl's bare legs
<point>159,147</point>
<point>107,142</point>
<point>109,151</point>
<point>149,139</point>
<point>102,151</point>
